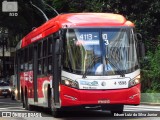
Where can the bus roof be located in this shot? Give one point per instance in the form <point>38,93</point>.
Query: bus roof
<point>92,19</point>
<point>74,20</point>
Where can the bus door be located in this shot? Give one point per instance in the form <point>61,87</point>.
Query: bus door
<point>56,72</point>
<point>35,84</point>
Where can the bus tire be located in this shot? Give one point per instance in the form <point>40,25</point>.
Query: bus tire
<point>117,109</point>
<point>22,98</point>
<point>26,104</point>
<point>55,112</point>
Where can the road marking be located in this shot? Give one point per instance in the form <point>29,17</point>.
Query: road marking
<point>141,108</point>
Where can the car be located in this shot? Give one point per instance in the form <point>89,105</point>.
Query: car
<point>5,89</point>
<point>13,85</point>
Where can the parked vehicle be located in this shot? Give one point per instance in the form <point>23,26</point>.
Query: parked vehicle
<point>13,87</point>
<point>5,89</point>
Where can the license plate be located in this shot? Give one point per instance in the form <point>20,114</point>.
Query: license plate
<point>4,92</point>
<point>103,101</point>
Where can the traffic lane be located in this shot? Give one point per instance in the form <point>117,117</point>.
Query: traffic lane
<point>7,100</point>
<point>6,103</point>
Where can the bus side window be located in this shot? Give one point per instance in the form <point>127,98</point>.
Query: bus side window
<point>45,48</point>
<point>45,57</point>
<point>21,60</point>
<point>39,58</point>
<point>39,67</point>
<point>45,66</point>
<point>30,58</point>
<point>39,50</point>
<point>26,59</point>
<point>50,44</point>
<point>50,65</point>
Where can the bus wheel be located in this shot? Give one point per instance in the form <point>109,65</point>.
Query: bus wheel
<point>117,109</point>
<point>26,105</point>
<point>22,98</point>
<point>54,111</point>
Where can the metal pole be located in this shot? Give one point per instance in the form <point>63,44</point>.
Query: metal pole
<point>3,58</point>
<point>2,53</point>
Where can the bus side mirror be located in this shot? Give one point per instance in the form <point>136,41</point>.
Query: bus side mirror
<point>140,45</point>
<point>142,50</point>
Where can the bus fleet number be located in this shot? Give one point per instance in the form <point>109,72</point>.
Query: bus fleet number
<point>122,82</point>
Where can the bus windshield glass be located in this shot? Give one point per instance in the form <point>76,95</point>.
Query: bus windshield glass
<point>100,51</point>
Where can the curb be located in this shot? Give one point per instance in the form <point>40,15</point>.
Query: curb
<point>148,103</point>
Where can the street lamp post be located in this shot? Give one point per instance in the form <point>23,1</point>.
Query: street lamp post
<point>3,34</point>
<point>3,58</point>
<point>1,45</point>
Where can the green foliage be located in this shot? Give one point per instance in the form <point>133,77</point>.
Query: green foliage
<point>151,72</point>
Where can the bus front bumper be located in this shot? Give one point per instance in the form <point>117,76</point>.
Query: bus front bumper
<point>75,97</point>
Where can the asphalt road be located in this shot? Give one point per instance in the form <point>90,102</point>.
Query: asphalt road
<point>141,112</point>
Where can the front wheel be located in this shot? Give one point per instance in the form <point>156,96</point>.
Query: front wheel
<point>26,104</point>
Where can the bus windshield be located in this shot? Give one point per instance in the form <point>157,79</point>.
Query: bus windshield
<point>100,51</point>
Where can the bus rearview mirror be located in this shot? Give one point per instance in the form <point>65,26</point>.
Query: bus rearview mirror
<point>141,46</point>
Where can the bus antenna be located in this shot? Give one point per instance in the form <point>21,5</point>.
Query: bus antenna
<point>51,7</point>
<point>44,15</point>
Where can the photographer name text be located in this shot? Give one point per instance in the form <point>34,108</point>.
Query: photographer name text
<point>136,115</point>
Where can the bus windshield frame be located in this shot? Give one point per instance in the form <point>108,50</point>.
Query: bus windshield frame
<point>100,51</point>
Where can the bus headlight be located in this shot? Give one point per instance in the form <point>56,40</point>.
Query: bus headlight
<point>10,89</point>
<point>69,82</point>
<point>134,81</point>
<point>16,91</point>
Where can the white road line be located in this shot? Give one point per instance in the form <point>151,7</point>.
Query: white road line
<point>141,108</point>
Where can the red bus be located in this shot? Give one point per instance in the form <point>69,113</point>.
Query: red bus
<point>79,60</point>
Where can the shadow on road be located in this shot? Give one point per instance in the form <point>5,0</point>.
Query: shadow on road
<point>77,114</point>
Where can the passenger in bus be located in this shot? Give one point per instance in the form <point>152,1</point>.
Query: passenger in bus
<point>98,68</point>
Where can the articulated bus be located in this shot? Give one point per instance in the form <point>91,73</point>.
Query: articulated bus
<point>79,60</point>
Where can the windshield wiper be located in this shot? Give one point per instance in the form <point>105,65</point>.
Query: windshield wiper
<point>121,73</point>
<point>94,59</point>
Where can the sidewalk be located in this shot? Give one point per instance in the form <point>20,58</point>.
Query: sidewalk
<point>149,103</point>
<point>150,99</point>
